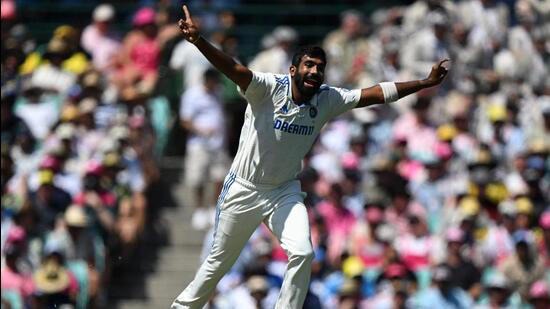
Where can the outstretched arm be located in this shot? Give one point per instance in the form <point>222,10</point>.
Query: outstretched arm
<point>385,92</point>
<point>236,72</point>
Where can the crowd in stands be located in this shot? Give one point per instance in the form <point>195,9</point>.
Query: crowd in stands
<point>440,200</point>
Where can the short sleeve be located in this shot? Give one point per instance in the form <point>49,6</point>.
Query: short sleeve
<point>342,100</point>
<point>259,87</point>
<point>187,109</point>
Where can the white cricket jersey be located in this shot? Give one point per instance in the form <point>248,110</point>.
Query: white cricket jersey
<point>277,133</point>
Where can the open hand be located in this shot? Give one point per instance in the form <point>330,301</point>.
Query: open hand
<point>188,28</point>
<point>438,73</point>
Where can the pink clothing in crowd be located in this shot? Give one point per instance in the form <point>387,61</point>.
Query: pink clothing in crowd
<point>145,55</point>
<point>415,251</point>
<point>17,282</point>
<point>340,222</point>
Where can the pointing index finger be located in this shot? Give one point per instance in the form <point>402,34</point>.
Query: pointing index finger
<point>186,12</point>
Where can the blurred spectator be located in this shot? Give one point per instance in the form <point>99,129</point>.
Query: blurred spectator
<point>206,160</point>
<point>346,49</point>
<point>138,62</point>
<point>278,58</point>
<point>99,40</point>
<point>441,294</point>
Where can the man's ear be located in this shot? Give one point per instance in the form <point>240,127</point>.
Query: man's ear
<point>292,70</point>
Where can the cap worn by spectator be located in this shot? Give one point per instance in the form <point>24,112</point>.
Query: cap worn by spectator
<point>496,113</point>
<point>469,206</point>
<point>285,34</point>
<point>103,13</point>
<point>94,168</point>
<point>65,131</point>
<point>257,284</point>
<point>50,163</point>
<point>66,33</point>
<point>446,132</point>
<point>69,113</point>
<point>386,233</point>
<point>56,46</point>
<point>45,177</point>
<point>524,206</point>
<point>441,274</point>
<point>454,234</point>
<point>496,280</point>
<point>348,288</point>
<point>112,160</point>
<point>507,208</point>
<point>51,277</point>
<point>352,266</point>
<point>87,105</point>
<point>75,216</point>
<point>144,16</point>
<point>119,132</point>
<point>539,290</point>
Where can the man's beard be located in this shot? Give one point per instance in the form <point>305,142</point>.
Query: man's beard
<point>306,91</point>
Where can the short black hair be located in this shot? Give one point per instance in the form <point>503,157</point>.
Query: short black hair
<point>211,74</point>
<point>311,51</point>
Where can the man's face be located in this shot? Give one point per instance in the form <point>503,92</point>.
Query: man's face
<point>309,75</point>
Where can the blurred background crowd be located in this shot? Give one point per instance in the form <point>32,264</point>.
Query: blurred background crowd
<point>440,200</point>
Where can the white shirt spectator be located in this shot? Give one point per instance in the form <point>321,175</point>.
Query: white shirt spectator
<point>273,60</point>
<point>53,78</point>
<point>102,47</point>
<point>204,111</point>
<point>188,58</point>
<point>39,117</point>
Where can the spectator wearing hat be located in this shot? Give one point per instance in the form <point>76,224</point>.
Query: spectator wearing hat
<point>524,267</point>
<point>52,76</point>
<point>39,111</point>
<point>346,48</point>
<point>139,59</point>
<point>393,287</point>
<point>81,249</point>
<point>417,246</point>
<point>427,45</point>
<point>48,201</point>
<point>441,293</point>
<point>498,291</point>
<point>55,285</point>
<point>464,273</point>
<point>201,115</point>
<point>278,58</point>
<point>99,40</point>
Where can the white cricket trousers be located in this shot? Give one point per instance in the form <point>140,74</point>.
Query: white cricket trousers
<point>242,206</point>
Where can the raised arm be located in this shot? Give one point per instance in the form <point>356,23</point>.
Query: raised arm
<point>236,72</point>
<point>387,92</point>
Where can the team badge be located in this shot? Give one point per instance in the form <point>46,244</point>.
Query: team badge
<point>312,112</point>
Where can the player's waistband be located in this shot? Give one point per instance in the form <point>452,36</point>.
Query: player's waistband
<point>256,186</point>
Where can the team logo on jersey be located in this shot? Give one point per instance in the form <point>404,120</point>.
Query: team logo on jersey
<point>284,109</point>
<point>312,112</point>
